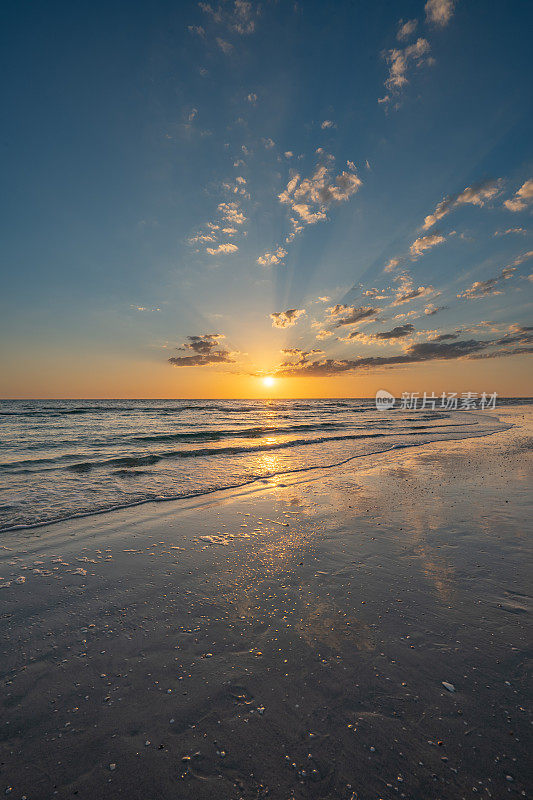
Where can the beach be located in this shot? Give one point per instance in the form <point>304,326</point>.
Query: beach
<point>353,632</point>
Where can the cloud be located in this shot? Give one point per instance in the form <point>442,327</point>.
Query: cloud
<point>238,16</point>
<point>222,248</point>
<point>348,315</point>
<point>205,350</point>
<point>424,243</point>
<point>443,347</point>
<point>375,294</point>
<point>521,258</point>
<point>328,124</point>
<point>431,310</point>
<point>272,258</point>
<point>400,61</point>
<point>201,238</point>
<point>439,12</point>
<point>302,356</point>
<point>396,333</point>
<point>310,198</point>
<point>415,353</point>
<point>286,319</point>
<point>406,293</point>
<point>509,231</point>
<point>391,265</point>
<point>198,30</point>
<point>522,198</point>
<point>232,213</point>
<point>406,29</point>
<point>488,287</point>
<point>225,46</point>
<point>324,334</point>
<point>386,337</point>
<point>252,98</point>
<point>476,195</point>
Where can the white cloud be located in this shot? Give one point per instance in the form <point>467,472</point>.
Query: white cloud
<point>406,291</point>
<point>309,198</point>
<point>222,248</point>
<point>391,265</point>
<point>522,198</point>
<point>324,334</point>
<point>439,12</point>
<point>405,296</point>
<point>225,46</point>
<point>201,238</point>
<point>232,213</point>
<point>400,61</point>
<point>406,29</point>
<point>375,294</point>
<point>272,258</point>
<point>521,258</point>
<point>424,243</point>
<point>476,195</point>
<point>509,231</point>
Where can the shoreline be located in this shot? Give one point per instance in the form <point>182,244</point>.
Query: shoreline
<point>289,640</point>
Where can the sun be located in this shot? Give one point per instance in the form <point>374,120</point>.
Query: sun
<point>268,381</point>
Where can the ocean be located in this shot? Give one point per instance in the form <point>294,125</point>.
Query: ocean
<point>61,459</point>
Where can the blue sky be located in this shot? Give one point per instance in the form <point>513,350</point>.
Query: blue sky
<point>175,170</point>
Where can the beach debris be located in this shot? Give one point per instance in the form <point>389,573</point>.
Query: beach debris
<point>112,767</point>
<point>509,778</point>
<point>147,743</point>
<point>261,710</point>
<point>222,540</point>
<point>449,686</point>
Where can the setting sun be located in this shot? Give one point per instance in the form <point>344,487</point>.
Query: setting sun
<point>268,381</point>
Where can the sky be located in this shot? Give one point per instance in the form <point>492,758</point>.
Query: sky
<point>196,196</point>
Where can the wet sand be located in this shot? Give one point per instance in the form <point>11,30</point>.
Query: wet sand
<point>286,641</point>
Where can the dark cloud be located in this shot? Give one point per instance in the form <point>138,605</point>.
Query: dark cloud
<point>205,350</point>
<point>488,287</point>
<point>348,315</point>
<point>396,333</point>
<point>423,351</point>
<point>286,319</point>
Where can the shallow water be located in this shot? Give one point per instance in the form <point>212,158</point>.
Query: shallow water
<point>60,459</point>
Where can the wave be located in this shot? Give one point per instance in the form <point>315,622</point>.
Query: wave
<point>149,459</point>
<point>236,485</point>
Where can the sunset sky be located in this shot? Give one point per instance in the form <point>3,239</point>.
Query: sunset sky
<point>195,196</point>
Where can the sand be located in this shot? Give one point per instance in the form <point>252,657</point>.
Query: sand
<point>357,633</point>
